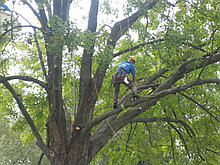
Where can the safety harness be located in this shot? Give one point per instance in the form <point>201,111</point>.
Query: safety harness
<point>120,77</point>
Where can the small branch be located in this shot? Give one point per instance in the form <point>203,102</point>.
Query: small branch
<point>129,137</point>
<point>218,153</point>
<point>197,9</point>
<point>136,47</point>
<point>181,137</point>
<point>150,79</point>
<point>203,68</point>
<point>201,106</point>
<point>195,46</point>
<point>40,56</point>
<point>16,27</point>
<point>172,144</point>
<point>181,88</point>
<point>149,133</point>
<point>100,118</point>
<point>166,119</point>
<point>40,159</point>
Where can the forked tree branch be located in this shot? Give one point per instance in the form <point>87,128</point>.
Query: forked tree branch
<point>33,10</point>
<point>150,100</point>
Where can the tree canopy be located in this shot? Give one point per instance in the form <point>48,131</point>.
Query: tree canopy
<point>55,81</point>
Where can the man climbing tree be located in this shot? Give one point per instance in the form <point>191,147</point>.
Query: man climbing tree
<point>121,77</point>
<point>5,8</point>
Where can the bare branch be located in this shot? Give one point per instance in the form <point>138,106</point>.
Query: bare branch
<point>40,56</point>
<point>136,47</point>
<point>25,78</point>
<point>16,27</point>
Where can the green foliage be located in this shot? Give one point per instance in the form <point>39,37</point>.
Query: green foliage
<point>14,150</point>
<point>160,143</point>
<point>189,24</point>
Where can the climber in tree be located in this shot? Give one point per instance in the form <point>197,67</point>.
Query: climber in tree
<point>5,8</point>
<point>121,77</point>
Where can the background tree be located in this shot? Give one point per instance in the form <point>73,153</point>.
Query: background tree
<point>176,117</point>
<point>15,150</point>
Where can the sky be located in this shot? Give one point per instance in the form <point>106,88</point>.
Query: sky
<point>78,12</point>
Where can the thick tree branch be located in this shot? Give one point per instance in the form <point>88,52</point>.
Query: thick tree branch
<point>166,92</point>
<point>121,27</point>
<point>57,8</point>
<point>186,68</point>
<point>86,83</point>
<point>42,13</point>
<point>39,17</point>
<point>40,142</point>
<point>139,106</point>
<point>65,9</point>
<point>25,78</point>
<point>148,99</point>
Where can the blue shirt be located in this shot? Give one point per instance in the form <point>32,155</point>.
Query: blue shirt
<point>5,8</point>
<point>127,66</point>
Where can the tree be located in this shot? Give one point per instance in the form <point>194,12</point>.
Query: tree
<point>14,151</point>
<point>181,39</point>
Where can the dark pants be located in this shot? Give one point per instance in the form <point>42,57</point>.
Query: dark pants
<point>118,79</point>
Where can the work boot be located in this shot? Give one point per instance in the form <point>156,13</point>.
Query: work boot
<point>115,105</point>
<point>135,96</point>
